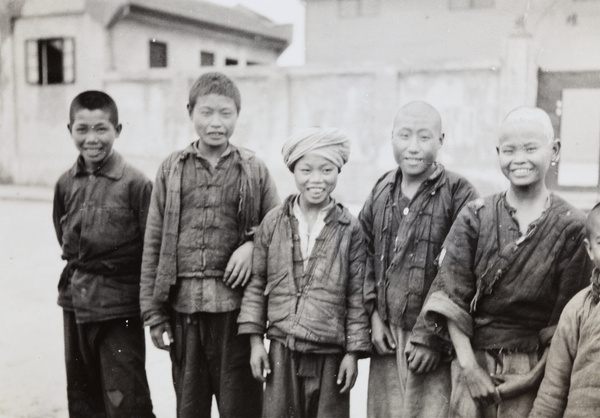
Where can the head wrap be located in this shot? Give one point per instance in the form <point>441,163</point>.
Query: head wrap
<point>330,143</point>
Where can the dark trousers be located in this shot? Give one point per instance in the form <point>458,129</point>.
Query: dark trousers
<point>303,385</point>
<point>209,358</point>
<point>106,375</point>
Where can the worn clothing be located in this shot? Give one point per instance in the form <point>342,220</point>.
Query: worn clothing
<point>174,200</point>
<point>106,374</point>
<point>319,308</point>
<point>209,357</point>
<point>303,385</point>
<point>308,238</point>
<point>100,219</point>
<point>503,289</point>
<point>572,376</point>
<point>403,243</point>
<point>496,362</point>
<point>394,391</point>
<point>404,237</point>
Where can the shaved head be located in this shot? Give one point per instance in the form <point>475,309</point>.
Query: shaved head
<point>533,116</point>
<point>421,110</point>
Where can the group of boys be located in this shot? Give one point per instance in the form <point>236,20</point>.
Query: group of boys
<point>455,298</point>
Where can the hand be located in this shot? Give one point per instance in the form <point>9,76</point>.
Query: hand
<point>512,385</point>
<point>480,385</point>
<point>422,359</point>
<point>348,372</point>
<point>239,266</point>
<point>259,360</point>
<point>381,335</point>
<point>161,334</point>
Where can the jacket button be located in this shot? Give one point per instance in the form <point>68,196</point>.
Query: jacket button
<point>405,211</point>
<point>299,294</point>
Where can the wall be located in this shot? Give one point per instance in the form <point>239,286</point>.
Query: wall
<point>279,101</point>
<point>418,32</point>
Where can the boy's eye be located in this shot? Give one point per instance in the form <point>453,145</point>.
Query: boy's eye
<point>530,149</point>
<point>507,151</point>
<point>425,137</point>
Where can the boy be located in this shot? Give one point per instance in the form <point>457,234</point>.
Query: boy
<point>100,209</point>
<point>571,379</point>
<point>405,219</point>
<point>307,283</point>
<point>508,267</point>
<point>206,203</point>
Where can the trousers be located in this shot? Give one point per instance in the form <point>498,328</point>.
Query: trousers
<point>105,363</point>
<point>209,358</point>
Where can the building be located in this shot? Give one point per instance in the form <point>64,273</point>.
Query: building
<point>547,52</point>
<point>52,50</point>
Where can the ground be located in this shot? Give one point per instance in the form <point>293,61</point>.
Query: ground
<point>33,381</point>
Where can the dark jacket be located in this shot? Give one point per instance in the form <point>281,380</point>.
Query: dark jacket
<point>503,289</point>
<point>100,220</point>
<point>159,265</point>
<point>415,241</point>
<point>328,308</point>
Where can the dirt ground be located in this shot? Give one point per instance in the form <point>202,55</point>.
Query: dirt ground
<point>32,382</point>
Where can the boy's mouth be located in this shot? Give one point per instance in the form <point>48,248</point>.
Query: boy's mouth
<point>521,172</point>
<point>315,191</point>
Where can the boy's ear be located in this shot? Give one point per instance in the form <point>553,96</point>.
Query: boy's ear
<point>498,150</point>
<point>119,128</point>
<point>189,109</point>
<point>555,150</point>
<point>588,247</point>
<point>69,128</point>
<point>442,136</point>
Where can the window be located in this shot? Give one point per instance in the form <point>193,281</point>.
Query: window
<point>207,59</point>
<point>470,4</point>
<point>50,61</point>
<point>355,8</point>
<point>251,63</point>
<point>231,61</point>
<point>158,54</point>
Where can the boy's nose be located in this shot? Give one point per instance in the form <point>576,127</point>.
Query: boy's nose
<point>215,120</point>
<point>413,144</point>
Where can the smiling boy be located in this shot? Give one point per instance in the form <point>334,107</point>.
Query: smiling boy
<point>306,288</point>
<point>100,209</point>
<point>207,201</point>
<point>509,265</point>
<point>405,220</point>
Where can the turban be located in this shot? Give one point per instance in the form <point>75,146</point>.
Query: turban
<point>330,143</point>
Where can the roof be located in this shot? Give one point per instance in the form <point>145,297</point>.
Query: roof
<point>237,19</point>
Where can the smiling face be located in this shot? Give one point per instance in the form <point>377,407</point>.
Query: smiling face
<point>416,139</point>
<point>525,152</point>
<point>316,177</point>
<point>214,117</point>
<point>94,135</point>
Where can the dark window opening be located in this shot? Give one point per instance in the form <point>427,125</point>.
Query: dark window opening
<point>207,59</point>
<point>50,61</point>
<point>158,54</point>
<point>231,61</point>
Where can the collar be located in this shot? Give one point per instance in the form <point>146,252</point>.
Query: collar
<point>111,168</point>
<point>433,179</point>
<point>335,211</point>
